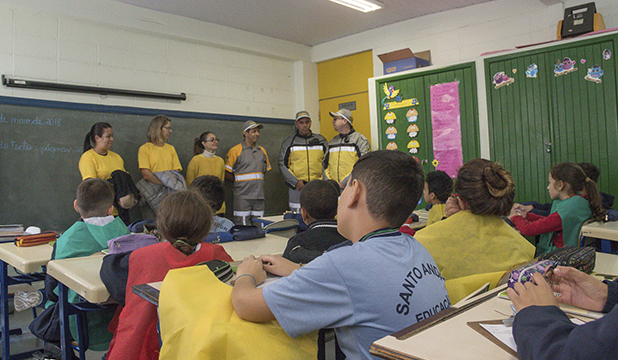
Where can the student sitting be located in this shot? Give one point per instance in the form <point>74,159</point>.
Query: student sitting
<point>211,188</point>
<point>95,204</point>
<point>183,219</point>
<point>542,331</point>
<point>438,188</point>
<point>593,172</point>
<point>318,206</point>
<point>475,240</point>
<point>382,283</point>
<point>567,183</point>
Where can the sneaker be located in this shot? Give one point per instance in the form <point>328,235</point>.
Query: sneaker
<point>27,299</point>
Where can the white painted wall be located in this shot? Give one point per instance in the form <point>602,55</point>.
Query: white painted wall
<point>464,34</point>
<point>108,44</point>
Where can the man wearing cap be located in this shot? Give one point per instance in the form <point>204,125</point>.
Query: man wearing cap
<point>300,160</point>
<point>245,165</point>
<point>344,149</point>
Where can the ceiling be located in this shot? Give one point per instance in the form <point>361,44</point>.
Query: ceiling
<point>307,22</point>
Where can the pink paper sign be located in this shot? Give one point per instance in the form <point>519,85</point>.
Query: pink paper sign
<point>445,122</point>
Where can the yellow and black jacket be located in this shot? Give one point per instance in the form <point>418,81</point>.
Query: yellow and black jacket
<point>301,158</point>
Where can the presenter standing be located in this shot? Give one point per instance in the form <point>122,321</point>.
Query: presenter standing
<point>300,160</point>
<point>100,162</point>
<point>205,162</point>
<point>245,165</point>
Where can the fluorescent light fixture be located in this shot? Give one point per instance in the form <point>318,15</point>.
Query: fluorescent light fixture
<point>360,5</point>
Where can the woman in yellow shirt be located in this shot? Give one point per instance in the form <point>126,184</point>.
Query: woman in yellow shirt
<point>99,161</point>
<point>157,155</point>
<point>205,162</point>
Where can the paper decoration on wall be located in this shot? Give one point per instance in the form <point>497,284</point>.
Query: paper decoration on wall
<point>412,115</point>
<point>393,94</point>
<point>391,146</point>
<point>401,104</point>
<point>417,159</point>
<point>446,127</point>
<point>501,79</point>
<point>413,146</point>
<point>607,54</point>
<point>390,93</point>
<point>566,66</point>
<point>583,61</point>
<point>514,71</point>
<point>391,133</point>
<point>390,117</point>
<point>594,74</point>
<point>412,130</point>
<point>435,163</point>
<point>532,70</point>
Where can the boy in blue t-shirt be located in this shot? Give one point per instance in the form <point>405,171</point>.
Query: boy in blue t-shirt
<point>382,283</point>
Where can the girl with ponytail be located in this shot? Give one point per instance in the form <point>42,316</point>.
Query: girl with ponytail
<point>576,199</point>
<point>183,219</point>
<point>474,239</point>
<point>205,162</point>
<point>98,161</point>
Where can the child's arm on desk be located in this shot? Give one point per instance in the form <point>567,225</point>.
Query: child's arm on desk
<point>247,300</point>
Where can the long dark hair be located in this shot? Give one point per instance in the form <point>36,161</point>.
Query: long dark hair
<point>574,175</point>
<point>198,148</point>
<point>96,130</point>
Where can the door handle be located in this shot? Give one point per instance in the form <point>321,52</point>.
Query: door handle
<point>548,147</point>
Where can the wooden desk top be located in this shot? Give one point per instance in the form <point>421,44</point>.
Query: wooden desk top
<point>601,230</point>
<point>452,339</point>
<point>271,244</point>
<point>82,276</point>
<point>26,259</point>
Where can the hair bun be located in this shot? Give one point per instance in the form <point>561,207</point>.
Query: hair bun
<point>499,181</point>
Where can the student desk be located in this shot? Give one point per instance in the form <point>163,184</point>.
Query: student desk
<point>82,276</point>
<point>607,231</point>
<point>606,264</point>
<point>271,244</point>
<point>451,339</point>
<point>27,260</point>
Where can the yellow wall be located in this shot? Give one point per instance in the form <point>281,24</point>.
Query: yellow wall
<point>344,80</point>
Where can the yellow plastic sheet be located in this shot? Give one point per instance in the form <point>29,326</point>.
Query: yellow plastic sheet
<point>466,244</point>
<point>461,287</point>
<point>198,322</point>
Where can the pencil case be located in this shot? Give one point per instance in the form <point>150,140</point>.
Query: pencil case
<point>525,274</point>
<point>37,239</point>
<point>582,258</point>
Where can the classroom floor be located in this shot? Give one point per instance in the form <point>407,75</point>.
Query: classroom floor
<point>26,342</point>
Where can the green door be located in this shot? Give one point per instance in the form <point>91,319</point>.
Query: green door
<point>562,114</point>
<point>414,91</point>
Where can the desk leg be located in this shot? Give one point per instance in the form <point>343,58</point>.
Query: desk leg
<point>4,308</point>
<point>65,330</point>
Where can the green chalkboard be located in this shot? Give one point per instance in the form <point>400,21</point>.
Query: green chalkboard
<point>41,143</point>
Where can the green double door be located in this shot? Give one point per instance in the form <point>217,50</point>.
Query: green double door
<point>565,112</point>
<point>414,91</point>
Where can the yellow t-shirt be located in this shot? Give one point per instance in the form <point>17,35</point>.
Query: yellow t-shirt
<point>436,213</point>
<point>158,158</point>
<point>201,165</point>
<point>93,165</point>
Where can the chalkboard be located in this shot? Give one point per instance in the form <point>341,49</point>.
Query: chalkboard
<point>41,143</point>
